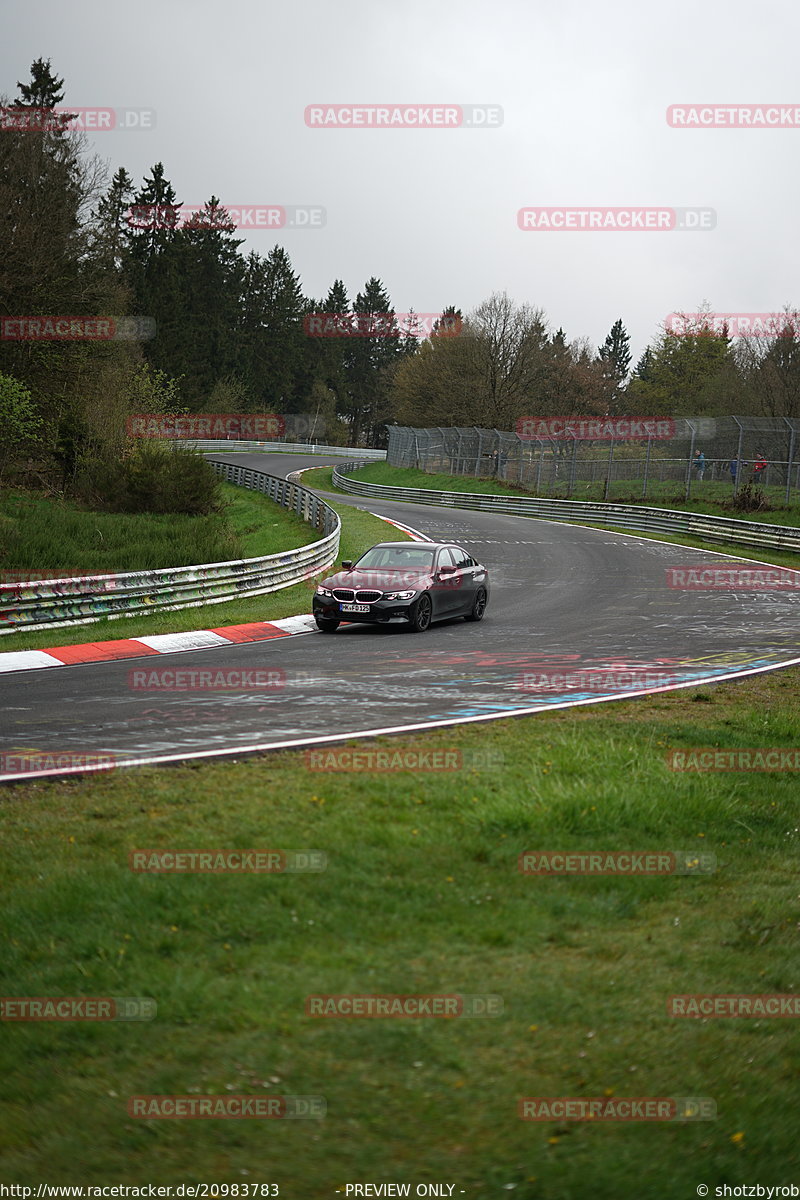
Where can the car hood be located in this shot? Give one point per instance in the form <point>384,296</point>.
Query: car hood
<point>379,581</point>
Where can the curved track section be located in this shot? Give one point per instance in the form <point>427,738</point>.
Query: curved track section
<point>566,601</point>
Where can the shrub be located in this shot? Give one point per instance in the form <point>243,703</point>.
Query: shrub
<point>749,498</point>
<point>153,478</point>
<point>20,425</point>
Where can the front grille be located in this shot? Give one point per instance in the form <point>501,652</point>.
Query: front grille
<point>344,594</point>
<point>368,597</point>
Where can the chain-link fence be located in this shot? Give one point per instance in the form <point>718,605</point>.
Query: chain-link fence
<point>705,455</point>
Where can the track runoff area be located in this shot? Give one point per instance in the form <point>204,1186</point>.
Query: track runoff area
<point>576,616</point>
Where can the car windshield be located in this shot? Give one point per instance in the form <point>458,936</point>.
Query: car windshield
<point>396,558</point>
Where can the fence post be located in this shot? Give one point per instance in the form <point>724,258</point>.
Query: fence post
<point>789,463</point>
<point>608,473</point>
<point>646,468</point>
<point>539,469</point>
<point>573,466</point>
<point>738,457</point>
<point>691,457</point>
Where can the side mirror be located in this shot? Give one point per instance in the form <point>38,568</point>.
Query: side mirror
<point>347,564</point>
<point>446,571</point>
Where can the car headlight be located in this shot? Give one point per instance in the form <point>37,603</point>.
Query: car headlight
<point>321,591</point>
<point>398,595</point>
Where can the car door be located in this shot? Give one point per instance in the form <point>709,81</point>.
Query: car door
<point>464,584</point>
<point>445,590</point>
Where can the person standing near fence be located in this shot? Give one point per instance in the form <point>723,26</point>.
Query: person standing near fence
<point>759,467</point>
<point>700,464</point>
<point>733,467</point>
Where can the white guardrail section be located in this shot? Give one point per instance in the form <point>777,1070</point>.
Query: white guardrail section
<point>50,603</point>
<point>235,446</point>
<point>623,516</point>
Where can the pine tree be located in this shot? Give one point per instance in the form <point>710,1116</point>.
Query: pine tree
<point>153,219</point>
<point>207,271</point>
<point>274,346</point>
<point>616,352</point>
<point>368,362</point>
<point>325,357</point>
<point>110,220</point>
<point>644,366</point>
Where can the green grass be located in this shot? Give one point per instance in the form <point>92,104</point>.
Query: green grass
<point>381,472</point>
<point>46,535</point>
<point>359,532</point>
<point>421,894</point>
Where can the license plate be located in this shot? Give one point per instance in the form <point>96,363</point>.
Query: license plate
<point>354,608</point>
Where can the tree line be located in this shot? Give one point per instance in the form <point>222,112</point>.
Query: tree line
<point>232,330</point>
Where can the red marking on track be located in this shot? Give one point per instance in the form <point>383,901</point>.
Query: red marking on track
<point>100,651</point>
<point>256,631</point>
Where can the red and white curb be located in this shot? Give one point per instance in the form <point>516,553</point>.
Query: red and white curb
<point>414,534</point>
<point>162,643</point>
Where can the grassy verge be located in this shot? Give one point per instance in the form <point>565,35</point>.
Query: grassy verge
<point>706,498</point>
<point>359,532</point>
<point>52,536</point>
<point>421,895</point>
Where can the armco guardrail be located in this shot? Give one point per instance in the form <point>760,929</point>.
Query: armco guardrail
<point>234,446</point>
<point>623,516</point>
<point>50,603</point>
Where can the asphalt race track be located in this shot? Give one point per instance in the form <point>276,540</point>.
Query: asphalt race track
<point>565,600</point>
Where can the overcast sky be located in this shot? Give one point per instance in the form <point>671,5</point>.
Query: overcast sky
<point>583,88</point>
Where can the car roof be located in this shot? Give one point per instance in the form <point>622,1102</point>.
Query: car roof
<point>415,545</point>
